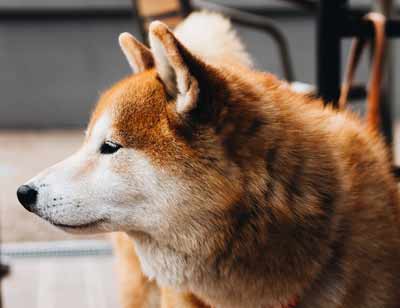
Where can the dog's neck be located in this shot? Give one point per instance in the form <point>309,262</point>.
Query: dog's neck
<point>182,272</point>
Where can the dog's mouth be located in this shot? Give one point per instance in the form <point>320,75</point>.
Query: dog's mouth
<point>79,226</point>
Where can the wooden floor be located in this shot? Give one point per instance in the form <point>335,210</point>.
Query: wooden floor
<point>61,282</point>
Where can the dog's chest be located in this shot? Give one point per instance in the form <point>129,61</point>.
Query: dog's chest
<point>185,273</point>
<point>163,264</point>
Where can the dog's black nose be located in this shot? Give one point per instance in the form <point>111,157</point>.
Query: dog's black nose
<point>27,196</point>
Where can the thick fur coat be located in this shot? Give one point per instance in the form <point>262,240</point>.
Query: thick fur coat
<point>235,190</point>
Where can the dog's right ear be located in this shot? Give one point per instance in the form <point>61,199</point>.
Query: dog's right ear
<point>138,55</point>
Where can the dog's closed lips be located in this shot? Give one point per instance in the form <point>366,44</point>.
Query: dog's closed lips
<point>79,226</point>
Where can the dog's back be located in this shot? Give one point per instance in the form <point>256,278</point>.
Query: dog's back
<point>358,195</point>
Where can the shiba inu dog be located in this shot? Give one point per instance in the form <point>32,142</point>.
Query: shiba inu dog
<point>235,190</point>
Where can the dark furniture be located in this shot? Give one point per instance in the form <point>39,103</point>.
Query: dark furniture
<point>336,21</point>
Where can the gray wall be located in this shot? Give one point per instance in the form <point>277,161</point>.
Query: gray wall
<point>52,71</point>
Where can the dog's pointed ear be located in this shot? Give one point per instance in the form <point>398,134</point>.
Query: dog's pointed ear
<point>176,66</point>
<point>137,54</point>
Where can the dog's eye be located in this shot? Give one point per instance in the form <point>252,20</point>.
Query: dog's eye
<point>109,147</point>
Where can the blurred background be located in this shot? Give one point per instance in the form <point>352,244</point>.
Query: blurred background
<point>56,56</point>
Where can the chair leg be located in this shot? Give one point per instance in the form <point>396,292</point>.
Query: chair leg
<point>328,49</point>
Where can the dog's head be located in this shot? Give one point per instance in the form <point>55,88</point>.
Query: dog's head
<point>154,155</point>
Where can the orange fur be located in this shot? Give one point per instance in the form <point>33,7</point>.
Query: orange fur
<point>174,299</point>
<point>361,163</point>
<point>303,199</point>
<point>233,190</point>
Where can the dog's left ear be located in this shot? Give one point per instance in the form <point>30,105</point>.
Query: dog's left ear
<point>137,54</point>
<point>178,69</point>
